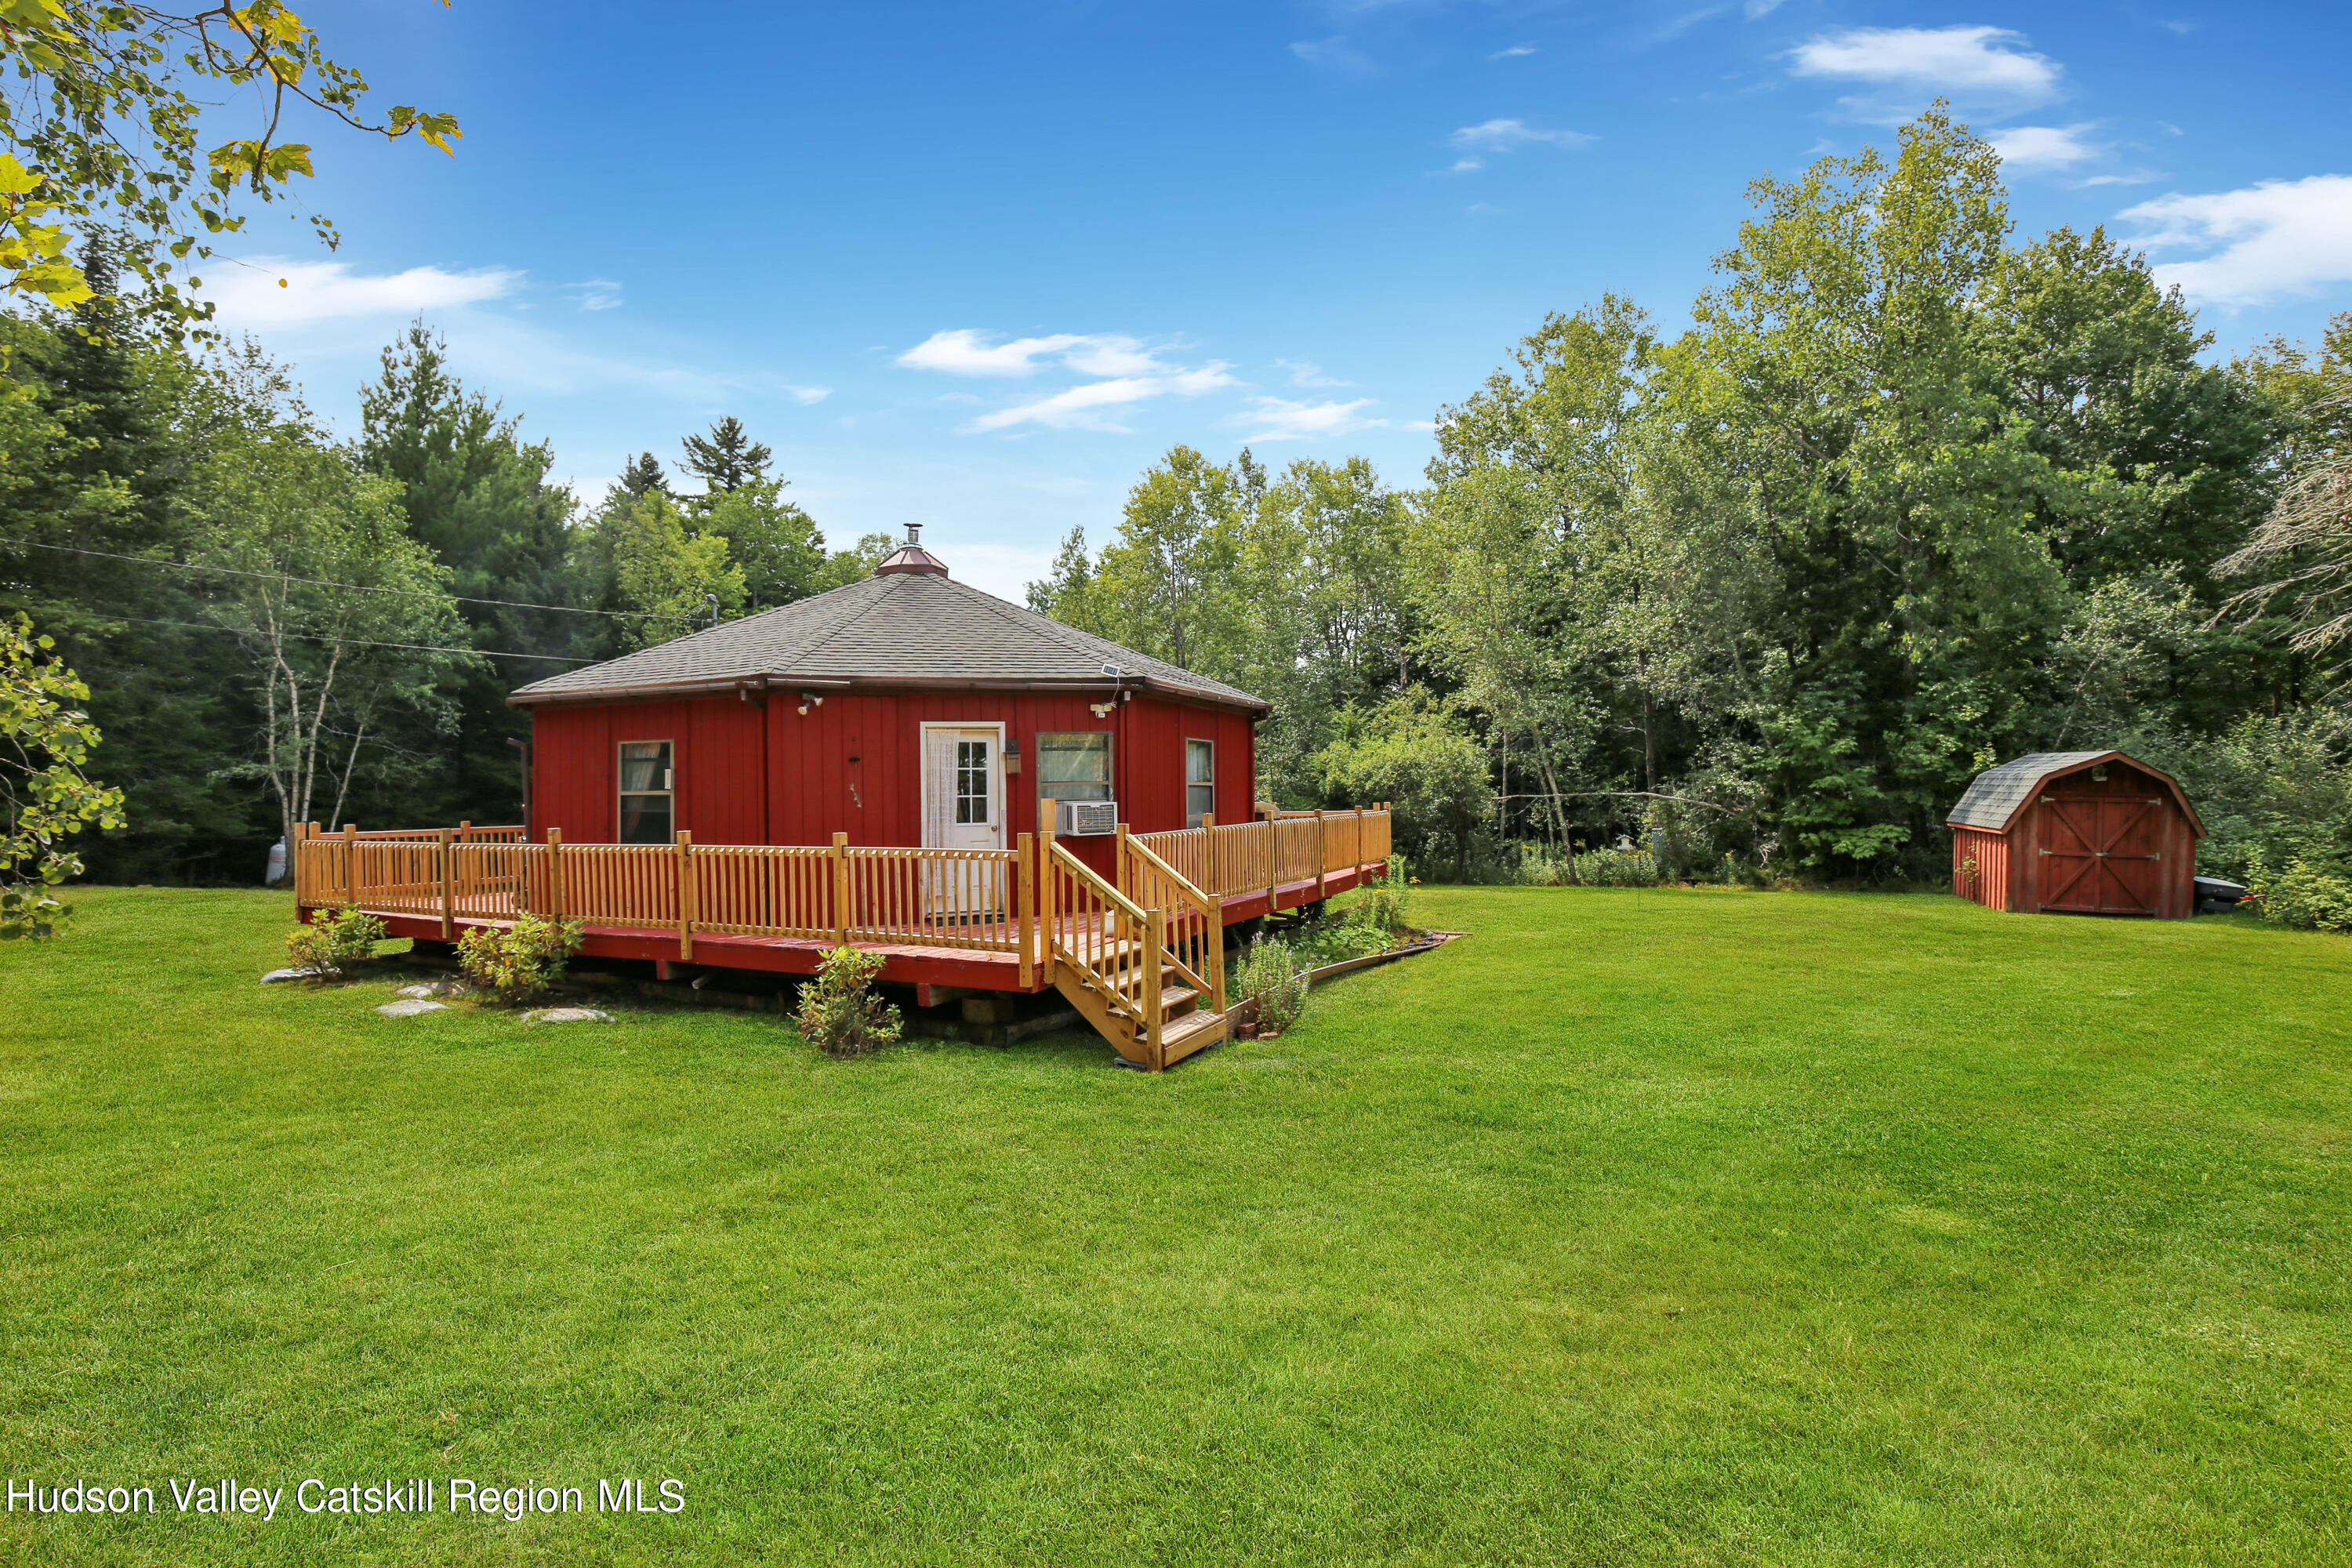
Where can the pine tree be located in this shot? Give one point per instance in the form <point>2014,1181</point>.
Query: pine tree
<point>644,476</point>
<point>729,458</point>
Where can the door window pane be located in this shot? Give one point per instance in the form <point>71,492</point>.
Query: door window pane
<point>648,813</point>
<point>1074,765</point>
<point>972,782</point>
<point>1200,781</point>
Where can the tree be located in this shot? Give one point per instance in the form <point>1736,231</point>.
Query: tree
<point>48,798</point>
<point>726,459</point>
<point>1415,752</point>
<point>1164,585</point>
<point>676,580</point>
<point>352,642</point>
<point>109,130</point>
<point>644,476</point>
<point>479,499</point>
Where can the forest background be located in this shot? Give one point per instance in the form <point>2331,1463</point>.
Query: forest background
<point>1911,496</point>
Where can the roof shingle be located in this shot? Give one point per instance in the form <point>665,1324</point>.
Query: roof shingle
<point>922,628</point>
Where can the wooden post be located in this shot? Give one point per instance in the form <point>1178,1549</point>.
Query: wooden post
<point>1047,920</point>
<point>1119,874</point>
<point>1322,853</point>
<point>1155,927</point>
<point>840,889</point>
<point>1026,926</point>
<point>350,855</point>
<point>555,871</point>
<point>685,896</point>
<point>1360,846</point>
<point>448,888</point>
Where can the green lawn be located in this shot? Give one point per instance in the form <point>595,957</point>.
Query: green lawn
<point>1686,1226</point>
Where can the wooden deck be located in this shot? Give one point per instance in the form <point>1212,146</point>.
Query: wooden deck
<point>1140,954</point>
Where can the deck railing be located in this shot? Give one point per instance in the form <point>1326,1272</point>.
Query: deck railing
<point>976,899</point>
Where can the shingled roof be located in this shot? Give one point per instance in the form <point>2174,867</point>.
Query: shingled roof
<point>1994,797</point>
<point>910,625</point>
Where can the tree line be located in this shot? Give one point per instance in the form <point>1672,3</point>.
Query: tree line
<point>277,626</point>
<point>1909,497</point>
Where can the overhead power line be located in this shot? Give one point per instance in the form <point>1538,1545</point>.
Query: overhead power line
<point>352,642</point>
<point>354,587</point>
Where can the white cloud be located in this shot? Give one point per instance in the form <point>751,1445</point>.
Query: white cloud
<point>966,351</point>
<point>1284,419</point>
<point>807,394</point>
<point>595,294</point>
<point>1504,135</point>
<point>2279,239</point>
<point>2041,149</point>
<point>1757,10</point>
<point>1087,405</point>
<point>1981,65</point>
<point>267,292</point>
<point>1333,54</point>
<point>1514,52</point>
<point>1307,372</point>
<point>1466,166</point>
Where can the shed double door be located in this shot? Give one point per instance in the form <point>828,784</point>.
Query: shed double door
<point>2102,854</point>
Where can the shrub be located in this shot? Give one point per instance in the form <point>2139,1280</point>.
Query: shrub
<point>519,962</point>
<point>1384,902</point>
<point>333,939</point>
<point>839,1012</point>
<point>1617,868</point>
<point>1336,940</point>
<point>1269,972</point>
<point>2305,896</point>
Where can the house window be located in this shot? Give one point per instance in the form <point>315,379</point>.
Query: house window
<point>972,782</point>
<point>1200,781</point>
<point>1074,765</point>
<point>648,793</point>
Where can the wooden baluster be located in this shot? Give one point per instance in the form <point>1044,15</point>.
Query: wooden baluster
<point>686,899</point>
<point>840,888</point>
<point>555,872</point>
<point>448,886</point>
<point>1155,933</point>
<point>1045,917</point>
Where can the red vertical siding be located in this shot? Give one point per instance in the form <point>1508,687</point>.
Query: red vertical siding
<point>854,763</point>
<point>2011,866</point>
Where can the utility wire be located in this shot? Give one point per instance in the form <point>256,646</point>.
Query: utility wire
<point>352,642</point>
<point>354,588</point>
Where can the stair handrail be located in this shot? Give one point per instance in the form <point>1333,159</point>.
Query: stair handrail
<point>1210,910</point>
<point>1134,1007</point>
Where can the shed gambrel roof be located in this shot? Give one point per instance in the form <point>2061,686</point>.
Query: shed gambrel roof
<point>1996,795</point>
<point>898,628</point>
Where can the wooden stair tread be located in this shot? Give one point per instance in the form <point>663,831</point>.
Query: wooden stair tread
<point>1178,1029</point>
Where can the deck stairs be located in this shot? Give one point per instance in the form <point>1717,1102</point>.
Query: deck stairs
<point>1144,965</point>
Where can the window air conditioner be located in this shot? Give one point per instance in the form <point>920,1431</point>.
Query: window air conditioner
<point>1080,817</point>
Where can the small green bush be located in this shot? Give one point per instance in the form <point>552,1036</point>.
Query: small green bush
<point>839,1014</point>
<point>519,962</point>
<point>333,939</point>
<point>2304,896</point>
<point>1384,904</point>
<point>1617,868</point>
<point>1269,971</point>
<point>1336,940</point>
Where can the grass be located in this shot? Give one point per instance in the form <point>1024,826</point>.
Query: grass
<point>1696,1226</point>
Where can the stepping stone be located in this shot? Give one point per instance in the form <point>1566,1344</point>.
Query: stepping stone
<point>410,1009</point>
<point>431,988</point>
<point>568,1016</point>
<point>279,977</point>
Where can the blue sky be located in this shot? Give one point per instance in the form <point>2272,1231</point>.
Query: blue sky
<point>977,265</point>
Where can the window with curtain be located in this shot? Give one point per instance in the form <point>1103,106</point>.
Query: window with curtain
<point>1073,766</point>
<point>648,814</point>
<point>1200,782</point>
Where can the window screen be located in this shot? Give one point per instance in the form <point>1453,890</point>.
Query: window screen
<point>647,786</point>
<point>1200,782</point>
<point>1074,765</point>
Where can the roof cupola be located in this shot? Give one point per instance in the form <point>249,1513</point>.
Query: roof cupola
<point>911,559</point>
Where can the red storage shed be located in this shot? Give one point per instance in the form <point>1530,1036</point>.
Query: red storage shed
<point>905,709</point>
<point>2093,833</point>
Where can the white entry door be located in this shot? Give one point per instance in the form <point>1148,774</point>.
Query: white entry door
<point>963,809</point>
